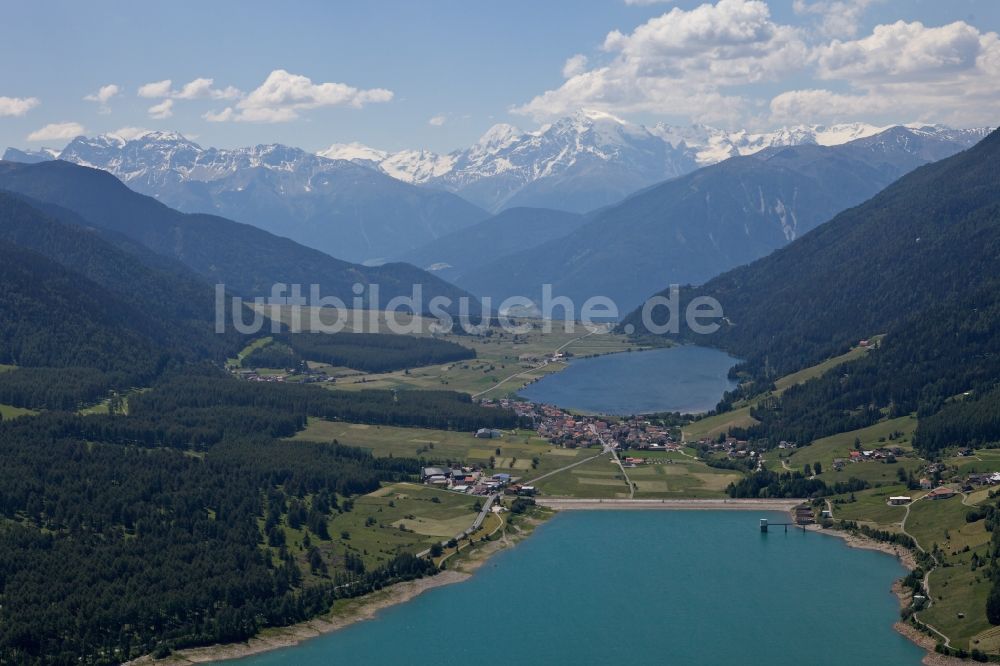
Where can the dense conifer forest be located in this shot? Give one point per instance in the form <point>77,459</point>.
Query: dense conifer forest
<point>367,352</point>
<point>120,535</point>
<point>917,263</point>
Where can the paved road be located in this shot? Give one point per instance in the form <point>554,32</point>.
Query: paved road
<point>476,524</point>
<point>614,454</point>
<point>562,469</point>
<point>750,504</point>
<point>927,574</point>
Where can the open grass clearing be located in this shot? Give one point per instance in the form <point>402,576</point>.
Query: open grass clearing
<point>518,449</point>
<point>8,412</point>
<point>819,369</point>
<point>498,356</point>
<point>712,426</point>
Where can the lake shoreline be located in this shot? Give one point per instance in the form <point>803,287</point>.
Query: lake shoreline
<point>351,611</point>
<point>905,557</point>
<point>369,606</point>
<point>631,384</point>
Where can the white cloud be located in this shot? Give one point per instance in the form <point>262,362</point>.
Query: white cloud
<point>57,131</point>
<point>163,110</point>
<point>438,120</point>
<point>283,95</point>
<point>155,89</point>
<point>103,96</point>
<point>905,51</point>
<point>576,64</point>
<point>908,70</point>
<point>838,18</point>
<point>17,106</point>
<point>681,62</point>
<point>219,117</point>
<point>707,63</point>
<point>202,89</point>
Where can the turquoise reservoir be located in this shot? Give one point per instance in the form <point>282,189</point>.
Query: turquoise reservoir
<point>643,587</point>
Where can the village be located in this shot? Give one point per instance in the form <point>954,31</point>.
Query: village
<point>560,428</point>
<point>582,431</point>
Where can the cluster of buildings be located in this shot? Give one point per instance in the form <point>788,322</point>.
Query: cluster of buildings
<point>311,377</point>
<point>521,408</point>
<point>644,436</point>
<point>986,479</point>
<point>730,446</point>
<point>466,479</point>
<point>570,431</point>
<point>863,455</point>
<point>254,376</point>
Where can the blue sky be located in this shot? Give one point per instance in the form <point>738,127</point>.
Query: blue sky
<point>437,74</point>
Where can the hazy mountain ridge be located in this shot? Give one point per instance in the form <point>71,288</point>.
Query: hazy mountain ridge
<point>345,209</point>
<point>510,232</point>
<point>873,268</point>
<point>593,159</point>
<point>691,228</point>
<point>246,259</point>
<point>917,263</point>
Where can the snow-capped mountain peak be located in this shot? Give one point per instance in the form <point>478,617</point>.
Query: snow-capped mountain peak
<point>496,138</point>
<point>592,154</point>
<point>354,152</point>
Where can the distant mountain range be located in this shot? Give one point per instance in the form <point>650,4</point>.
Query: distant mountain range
<point>365,205</point>
<point>917,263</point>
<point>246,259</point>
<point>924,248</point>
<point>592,159</point>
<point>349,211</point>
<point>688,229</point>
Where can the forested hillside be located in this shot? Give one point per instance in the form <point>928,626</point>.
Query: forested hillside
<point>368,352</point>
<point>51,317</point>
<point>692,228</point>
<point>82,315</point>
<point>917,262</point>
<point>246,259</point>
<point>171,498</point>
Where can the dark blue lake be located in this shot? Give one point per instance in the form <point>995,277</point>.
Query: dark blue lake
<point>677,379</point>
<point>643,587</point>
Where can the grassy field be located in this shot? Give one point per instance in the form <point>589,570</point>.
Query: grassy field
<point>982,460</point>
<point>680,477</point>
<point>820,368</point>
<point>401,517</point>
<point>498,356</point>
<point>955,588</point>
<point>711,426</point>
<point>518,450</point>
<point>840,445</point>
<point>871,508</point>
<point>672,475</point>
<point>939,526</point>
<point>10,412</point>
<point>942,522</point>
<point>599,478</point>
<point>256,344</point>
